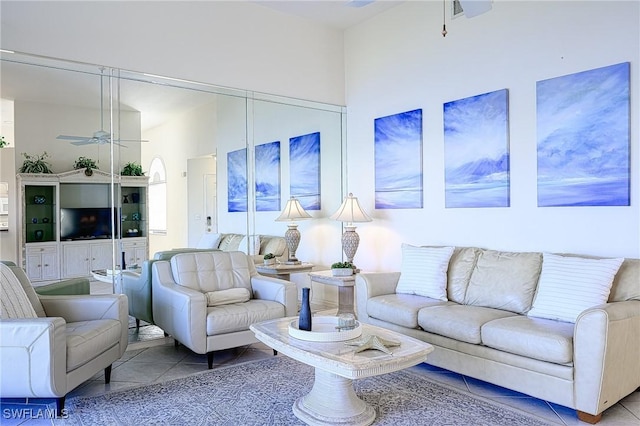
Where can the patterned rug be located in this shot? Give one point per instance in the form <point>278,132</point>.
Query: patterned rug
<point>263,392</point>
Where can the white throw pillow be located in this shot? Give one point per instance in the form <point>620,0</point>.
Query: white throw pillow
<point>209,241</point>
<point>569,285</point>
<point>226,297</point>
<point>424,271</point>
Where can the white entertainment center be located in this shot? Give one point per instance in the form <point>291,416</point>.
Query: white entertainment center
<point>67,221</point>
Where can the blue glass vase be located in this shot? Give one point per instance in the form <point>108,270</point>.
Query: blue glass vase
<point>304,321</point>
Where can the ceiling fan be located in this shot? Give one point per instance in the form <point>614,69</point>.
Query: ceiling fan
<point>100,137</point>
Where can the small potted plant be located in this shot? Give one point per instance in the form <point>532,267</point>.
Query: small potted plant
<point>3,142</point>
<point>85,163</point>
<point>269,259</point>
<point>342,269</point>
<point>132,169</point>
<point>35,163</point>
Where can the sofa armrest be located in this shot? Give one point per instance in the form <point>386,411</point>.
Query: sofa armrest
<point>66,287</point>
<point>33,357</point>
<point>178,310</point>
<point>373,284</point>
<point>607,368</point>
<point>277,290</point>
<point>91,307</point>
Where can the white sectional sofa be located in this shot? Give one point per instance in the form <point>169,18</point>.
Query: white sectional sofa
<point>545,325</point>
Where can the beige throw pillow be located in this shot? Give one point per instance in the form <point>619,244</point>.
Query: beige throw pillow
<point>226,297</point>
<point>424,271</point>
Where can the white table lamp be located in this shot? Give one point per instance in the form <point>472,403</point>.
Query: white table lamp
<point>292,211</point>
<point>350,212</point>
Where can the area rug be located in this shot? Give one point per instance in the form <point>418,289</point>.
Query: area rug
<point>263,393</point>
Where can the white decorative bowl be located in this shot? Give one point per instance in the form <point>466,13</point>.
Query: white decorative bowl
<point>323,329</point>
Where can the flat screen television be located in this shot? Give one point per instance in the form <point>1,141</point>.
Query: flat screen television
<point>87,223</point>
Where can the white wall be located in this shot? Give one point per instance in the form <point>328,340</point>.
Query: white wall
<point>9,239</point>
<point>399,61</point>
<point>229,43</point>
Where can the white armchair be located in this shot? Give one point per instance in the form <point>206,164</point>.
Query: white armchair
<point>208,300</point>
<point>52,344</point>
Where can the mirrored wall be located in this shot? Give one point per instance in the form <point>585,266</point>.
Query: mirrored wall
<point>226,160</point>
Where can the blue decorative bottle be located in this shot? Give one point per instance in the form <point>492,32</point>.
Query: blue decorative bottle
<point>304,321</point>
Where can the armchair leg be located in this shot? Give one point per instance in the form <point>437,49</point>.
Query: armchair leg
<point>210,359</point>
<point>107,374</point>
<point>275,352</point>
<point>137,324</point>
<point>59,405</point>
<point>588,418</point>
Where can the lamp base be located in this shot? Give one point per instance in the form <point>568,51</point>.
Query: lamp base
<point>291,262</point>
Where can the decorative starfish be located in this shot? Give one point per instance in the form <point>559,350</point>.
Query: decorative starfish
<point>373,342</point>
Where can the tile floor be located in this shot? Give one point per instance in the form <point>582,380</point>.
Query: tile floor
<point>150,357</point>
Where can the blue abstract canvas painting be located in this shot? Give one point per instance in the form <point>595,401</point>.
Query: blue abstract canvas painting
<point>267,176</point>
<point>398,161</point>
<point>304,156</point>
<point>237,180</point>
<point>583,138</point>
<point>476,151</point>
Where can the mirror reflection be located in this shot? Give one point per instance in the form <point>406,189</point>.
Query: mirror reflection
<point>202,149</point>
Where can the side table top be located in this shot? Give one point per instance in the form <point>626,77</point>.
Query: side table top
<point>284,268</point>
<point>326,277</point>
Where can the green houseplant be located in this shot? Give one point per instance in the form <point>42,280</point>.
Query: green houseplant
<point>85,163</point>
<point>269,259</point>
<point>35,163</point>
<point>342,269</point>
<point>132,169</point>
<point>3,142</point>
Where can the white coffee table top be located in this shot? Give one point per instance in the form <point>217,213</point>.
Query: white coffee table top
<point>340,358</point>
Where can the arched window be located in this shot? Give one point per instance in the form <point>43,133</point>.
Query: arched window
<point>157,197</point>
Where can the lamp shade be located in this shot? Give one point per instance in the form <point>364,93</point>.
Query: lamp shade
<point>350,211</point>
<point>293,211</point>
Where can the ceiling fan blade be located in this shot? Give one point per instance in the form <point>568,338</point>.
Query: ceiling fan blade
<point>83,142</point>
<point>132,140</point>
<point>73,138</point>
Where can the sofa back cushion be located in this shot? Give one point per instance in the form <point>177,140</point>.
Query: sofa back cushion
<point>14,300</point>
<point>271,244</point>
<point>461,265</point>
<point>626,284</point>
<point>213,270</point>
<point>504,280</point>
<point>209,240</point>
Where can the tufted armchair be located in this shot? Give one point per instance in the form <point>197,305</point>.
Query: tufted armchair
<point>137,286</point>
<point>52,344</point>
<point>208,300</point>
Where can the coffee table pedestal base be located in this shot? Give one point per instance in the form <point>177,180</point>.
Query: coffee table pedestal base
<point>332,401</point>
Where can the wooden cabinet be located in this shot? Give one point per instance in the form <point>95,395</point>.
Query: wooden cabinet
<point>42,262</point>
<point>135,251</point>
<point>55,239</point>
<point>79,258</point>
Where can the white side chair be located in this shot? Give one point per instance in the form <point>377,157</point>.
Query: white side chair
<point>208,300</point>
<point>52,344</point>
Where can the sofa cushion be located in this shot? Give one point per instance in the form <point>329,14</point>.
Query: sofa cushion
<point>275,245</point>
<point>461,265</point>
<point>542,339</point>
<point>228,296</point>
<point>212,270</point>
<point>570,285</point>
<point>209,241</point>
<point>504,280</point>
<point>424,271</point>
<point>88,339</point>
<point>239,316</point>
<point>459,322</point>
<point>625,284</point>
<point>399,309</point>
<point>14,301</point>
